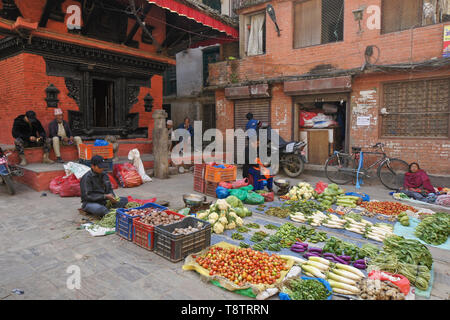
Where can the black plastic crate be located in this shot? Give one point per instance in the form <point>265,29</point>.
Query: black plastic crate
<point>177,247</point>
<point>108,161</point>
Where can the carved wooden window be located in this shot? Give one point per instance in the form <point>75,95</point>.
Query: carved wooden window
<point>417,109</point>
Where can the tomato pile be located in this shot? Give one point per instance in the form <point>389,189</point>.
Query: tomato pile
<point>243,265</point>
<point>386,207</point>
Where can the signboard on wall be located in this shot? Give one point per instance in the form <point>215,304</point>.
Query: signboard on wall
<point>363,121</point>
<point>446,50</point>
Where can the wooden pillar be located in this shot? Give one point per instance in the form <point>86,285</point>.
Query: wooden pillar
<point>160,142</point>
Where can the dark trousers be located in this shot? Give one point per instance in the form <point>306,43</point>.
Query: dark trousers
<point>21,145</point>
<point>100,210</point>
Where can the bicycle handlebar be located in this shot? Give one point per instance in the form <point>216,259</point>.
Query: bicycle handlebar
<point>379,144</point>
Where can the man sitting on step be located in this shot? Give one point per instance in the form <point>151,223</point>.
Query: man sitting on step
<point>59,132</point>
<point>28,133</point>
<point>96,189</point>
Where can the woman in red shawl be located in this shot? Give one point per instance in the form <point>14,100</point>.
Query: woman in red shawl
<point>416,178</point>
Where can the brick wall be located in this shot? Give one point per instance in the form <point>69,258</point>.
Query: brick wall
<point>281,59</point>
<point>433,155</point>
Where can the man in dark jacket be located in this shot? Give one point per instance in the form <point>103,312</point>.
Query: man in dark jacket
<point>60,132</point>
<point>28,133</point>
<point>96,189</point>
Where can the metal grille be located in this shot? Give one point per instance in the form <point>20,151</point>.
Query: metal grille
<point>417,108</point>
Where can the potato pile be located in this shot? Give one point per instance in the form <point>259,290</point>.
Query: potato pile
<point>154,217</point>
<point>379,290</point>
<point>187,230</point>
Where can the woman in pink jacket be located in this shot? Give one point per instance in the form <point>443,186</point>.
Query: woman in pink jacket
<point>416,178</point>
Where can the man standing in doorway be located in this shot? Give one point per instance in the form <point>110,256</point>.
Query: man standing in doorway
<point>59,132</point>
<point>28,133</point>
<point>252,123</point>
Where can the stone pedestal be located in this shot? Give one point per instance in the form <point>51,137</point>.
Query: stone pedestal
<point>160,141</point>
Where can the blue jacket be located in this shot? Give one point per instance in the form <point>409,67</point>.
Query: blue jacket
<point>252,124</point>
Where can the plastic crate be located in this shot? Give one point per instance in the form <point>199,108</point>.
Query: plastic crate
<point>144,235</point>
<point>87,151</point>
<point>210,188</point>
<point>177,247</point>
<point>218,175</point>
<point>199,185</point>
<point>199,170</point>
<point>124,221</point>
<point>108,161</point>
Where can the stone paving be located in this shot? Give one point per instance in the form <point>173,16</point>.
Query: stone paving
<point>39,240</point>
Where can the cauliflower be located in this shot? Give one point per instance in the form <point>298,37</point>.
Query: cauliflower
<point>212,221</point>
<point>233,214</point>
<point>230,226</point>
<point>239,221</point>
<point>223,220</point>
<point>222,204</point>
<point>203,215</point>
<point>214,216</point>
<point>218,228</point>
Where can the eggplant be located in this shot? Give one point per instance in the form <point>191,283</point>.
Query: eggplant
<point>360,266</point>
<point>311,254</point>
<point>346,258</point>
<point>360,261</point>
<point>298,249</point>
<point>329,255</point>
<point>315,250</point>
<point>341,261</point>
<point>301,244</point>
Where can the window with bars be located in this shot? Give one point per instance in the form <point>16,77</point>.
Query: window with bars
<point>398,15</point>
<point>417,109</point>
<point>318,22</point>
<point>170,81</point>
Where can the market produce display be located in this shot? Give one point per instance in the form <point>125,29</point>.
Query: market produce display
<point>238,207</point>
<point>271,227</point>
<point>302,191</point>
<point>319,218</point>
<point>237,236</point>
<point>307,208</point>
<point>342,278</point>
<point>132,204</point>
<point>252,225</point>
<point>242,229</point>
<point>243,266</point>
<point>289,234</point>
<point>154,217</point>
<point>434,229</point>
<point>221,216</point>
<point>386,207</point>
<point>329,195</point>
<point>107,221</point>
<point>377,231</point>
<point>379,290</point>
<point>187,230</point>
<point>279,212</point>
<point>305,289</point>
<point>409,258</point>
<point>348,201</point>
<point>403,219</point>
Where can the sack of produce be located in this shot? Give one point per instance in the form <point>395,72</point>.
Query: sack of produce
<point>70,187</point>
<point>443,200</point>
<point>114,183</point>
<point>56,184</point>
<point>254,198</point>
<point>127,175</point>
<point>222,192</point>
<point>397,279</point>
<point>240,183</point>
<point>226,185</point>
<point>239,193</point>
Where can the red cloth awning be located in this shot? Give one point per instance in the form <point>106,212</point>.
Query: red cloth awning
<point>184,10</point>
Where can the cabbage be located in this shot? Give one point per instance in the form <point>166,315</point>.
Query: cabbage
<point>234,202</point>
<point>241,212</point>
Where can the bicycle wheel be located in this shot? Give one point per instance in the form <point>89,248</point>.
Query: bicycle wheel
<point>340,168</point>
<point>392,173</point>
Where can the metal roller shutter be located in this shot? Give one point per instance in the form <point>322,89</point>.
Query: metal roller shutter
<point>260,109</point>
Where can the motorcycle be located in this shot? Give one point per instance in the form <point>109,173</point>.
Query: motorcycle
<point>292,155</point>
<point>7,171</point>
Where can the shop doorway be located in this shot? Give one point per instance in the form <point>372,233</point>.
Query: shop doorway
<point>103,101</point>
<point>322,121</point>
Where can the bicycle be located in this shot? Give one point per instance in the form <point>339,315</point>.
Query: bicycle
<point>342,168</point>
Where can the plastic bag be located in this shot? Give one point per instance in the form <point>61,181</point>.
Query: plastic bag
<point>320,187</point>
<point>222,192</point>
<point>399,280</point>
<point>305,116</point>
<point>239,193</point>
<point>443,200</point>
<point>56,184</point>
<point>100,143</point>
<point>70,187</point>
<point>113,181</point>
<point>240,183</point>
<point>76,168</point>
<point>226,185</point>
<point>127,175</point>
<point>135,156</point>
<point>131,199</point>
<point>268,196</point>
<point>254,198</point>
<point>247,188</point>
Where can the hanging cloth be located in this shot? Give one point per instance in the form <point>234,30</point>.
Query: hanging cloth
<point>135,156</point>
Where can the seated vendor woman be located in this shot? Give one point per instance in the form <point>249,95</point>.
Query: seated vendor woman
<point>416,179</point>
<point>96,190</point>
